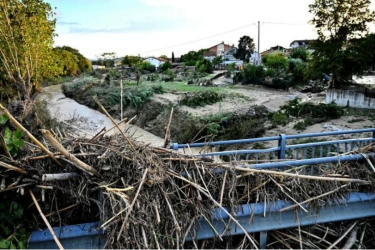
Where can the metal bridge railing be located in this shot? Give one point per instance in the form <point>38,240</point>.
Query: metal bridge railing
<point>283,150</point>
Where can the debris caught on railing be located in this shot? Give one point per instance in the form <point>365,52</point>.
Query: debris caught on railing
<point>151,197</point>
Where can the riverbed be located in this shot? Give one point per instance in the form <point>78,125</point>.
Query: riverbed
<point>86,121</point>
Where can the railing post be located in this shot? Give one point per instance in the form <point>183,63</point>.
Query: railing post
<point>175,146</point>
<point>263,239</point>
<point>282,145</point>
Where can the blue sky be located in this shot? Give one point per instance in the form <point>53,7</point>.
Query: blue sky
<point>158,27</point>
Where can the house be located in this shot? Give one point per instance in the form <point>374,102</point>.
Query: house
<point>275,49</point>
<point>300,43</point>
<point>156,61</point>
<point>217,50</point>
<point>118,62</point>
<point>95,67</point>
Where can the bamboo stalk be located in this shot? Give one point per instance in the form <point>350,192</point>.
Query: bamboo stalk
<point>59,177</point>
<point>342,237</point>
<point>76,162</point>
<point>157,213</point>
<point>19,186</point>
<point>132,205</point>
<point>156,239</point>
<point>2,185</point>
<point>167,130</point>
<point>12,119</point>
<point>311,199</point>
<point>127,123</point>
<point>351,240</point>
<point>262,171</point>
<point>178,228</point>
<point>113,121</point>
<point>120,189</point>
<point>45,220</point>
<point>10,167</point>
<point>44,187</point>
<point>222,187</point>
<point>61,210</point>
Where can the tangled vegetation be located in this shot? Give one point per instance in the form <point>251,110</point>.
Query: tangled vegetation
<point>200,99</point>
<point>310,112</point>
<point>110,96</point>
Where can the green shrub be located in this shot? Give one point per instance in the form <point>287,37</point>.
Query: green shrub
<point>302,125</point>
<point>200,99</point>
<point>11,214</point>
<point>279,118</point>
<point>319,111</point>
<point>252,74</point>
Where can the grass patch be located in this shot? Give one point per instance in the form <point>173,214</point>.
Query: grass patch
<point>184,87</point>
<point>302,125</point>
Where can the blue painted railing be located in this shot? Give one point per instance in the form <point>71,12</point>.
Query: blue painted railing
<point>284,151</point>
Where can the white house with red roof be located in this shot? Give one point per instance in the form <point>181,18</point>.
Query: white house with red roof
<point>156,61</point>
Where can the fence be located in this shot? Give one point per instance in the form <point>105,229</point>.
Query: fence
<point>253,217</point>
<point>311,148</point>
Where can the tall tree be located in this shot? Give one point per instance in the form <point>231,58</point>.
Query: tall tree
<point>339,24</point>
<point>131,60</point>
<point>245,48</point>
<point>84,64</point>
<point>26,39</point>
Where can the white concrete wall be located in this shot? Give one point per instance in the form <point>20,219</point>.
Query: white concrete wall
<point>349,98</point>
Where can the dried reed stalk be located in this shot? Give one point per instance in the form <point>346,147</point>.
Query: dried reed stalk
<point>18,125</point>
<point>45,220</point>
<point>320,178</point>
<point>10,167</point>
<point>124,222</point>
<point>168,130</point>
<point>216,203</point>
<point>76,162</point>
<point>311,199</point>
<point>59,177</point>
<point>342,237</point>
<point>113,121</point>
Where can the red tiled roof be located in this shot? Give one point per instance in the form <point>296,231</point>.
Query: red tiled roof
<point>158,58</point>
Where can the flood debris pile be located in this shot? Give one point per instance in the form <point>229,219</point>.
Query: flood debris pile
<point>150,197</point>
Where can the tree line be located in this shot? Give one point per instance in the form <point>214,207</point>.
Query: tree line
<point>27,56</point>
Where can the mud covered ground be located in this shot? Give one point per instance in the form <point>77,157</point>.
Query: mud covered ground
<point>242,114</point>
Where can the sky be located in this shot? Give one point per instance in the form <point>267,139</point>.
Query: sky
<point>160,27</point>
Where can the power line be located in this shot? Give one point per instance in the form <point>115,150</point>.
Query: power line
<point>199,39</point>
<point>286,23</point>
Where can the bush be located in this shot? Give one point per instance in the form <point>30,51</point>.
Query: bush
<point>165,66</point>
<point>252,73</point>
<point>279,118</point>
<point>147,66</point>
<point>302,125</point>
<point>320,112</point>
<point>200,99</point>
<point>280,83</point>
<point>169,75</point>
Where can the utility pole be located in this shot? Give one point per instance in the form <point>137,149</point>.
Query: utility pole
<point>258,43</point>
